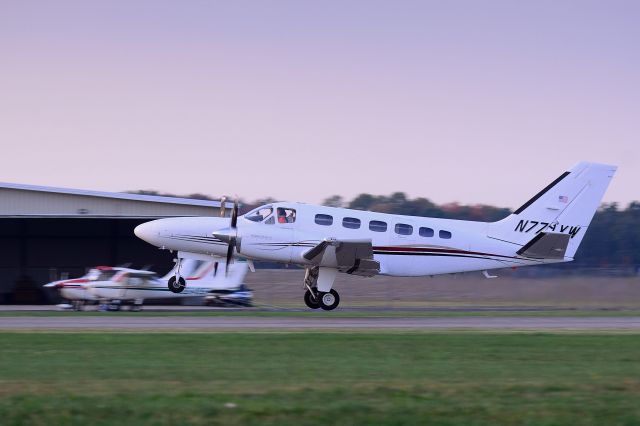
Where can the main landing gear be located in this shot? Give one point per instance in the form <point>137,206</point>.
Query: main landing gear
<point>176,283</point>
<point>319,294</point>
<point>327,301</point>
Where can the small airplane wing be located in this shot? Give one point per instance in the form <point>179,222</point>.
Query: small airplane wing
<point>141,274</point>
<point>349,256</point>
<point>546,245</point>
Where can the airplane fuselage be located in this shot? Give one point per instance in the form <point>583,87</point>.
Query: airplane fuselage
<point>404,245</point>
<point>326,240</point>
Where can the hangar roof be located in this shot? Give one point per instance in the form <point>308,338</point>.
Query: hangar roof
<point>20,200</point>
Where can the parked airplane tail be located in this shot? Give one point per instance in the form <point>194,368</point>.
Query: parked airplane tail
<point>207,274</point>
<point>566,206</point>
<point>188,268</point>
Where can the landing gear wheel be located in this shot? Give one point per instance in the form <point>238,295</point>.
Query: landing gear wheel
<point>329,301</point>
<point>311,301</point>
<point>176,286</point>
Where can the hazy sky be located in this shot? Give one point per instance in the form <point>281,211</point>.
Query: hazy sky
<point>471,101</point>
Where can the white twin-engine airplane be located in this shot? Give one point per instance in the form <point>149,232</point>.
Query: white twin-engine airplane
<point>325,240</point>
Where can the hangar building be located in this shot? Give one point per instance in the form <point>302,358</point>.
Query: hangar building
<point>50,233</point>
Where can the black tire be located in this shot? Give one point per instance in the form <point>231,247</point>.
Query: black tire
<point>176,286</point>
<point>329,301</point>
<point>310,301</point>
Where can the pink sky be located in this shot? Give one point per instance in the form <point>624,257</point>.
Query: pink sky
<point>476,102</point>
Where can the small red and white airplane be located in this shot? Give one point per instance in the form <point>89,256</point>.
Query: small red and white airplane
<point>118,286</point>
<point>326,240</point>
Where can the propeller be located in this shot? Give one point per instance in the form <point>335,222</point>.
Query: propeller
<point>223,205</point>
<point>230,234</point>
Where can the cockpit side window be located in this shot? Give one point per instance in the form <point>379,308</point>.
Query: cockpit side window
<point>259,214</point>
<point>286,215</point>
<point>106,275</point>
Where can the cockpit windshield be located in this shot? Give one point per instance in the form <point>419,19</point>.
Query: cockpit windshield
<point>100,274</point>
<point>259,214</point>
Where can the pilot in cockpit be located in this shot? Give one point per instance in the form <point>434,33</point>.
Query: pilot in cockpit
<point>286,215</point>
<point>282,216</point>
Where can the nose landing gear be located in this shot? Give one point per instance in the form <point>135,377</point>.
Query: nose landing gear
<point>176,283</point>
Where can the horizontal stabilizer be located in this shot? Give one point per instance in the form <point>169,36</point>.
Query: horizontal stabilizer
<point>546,246</point>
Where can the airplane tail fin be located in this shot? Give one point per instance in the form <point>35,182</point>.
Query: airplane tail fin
<point>188,268</point>
<point>210,277</point>
<point>566,206</point>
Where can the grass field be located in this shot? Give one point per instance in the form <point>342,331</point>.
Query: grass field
<point>319,378</point>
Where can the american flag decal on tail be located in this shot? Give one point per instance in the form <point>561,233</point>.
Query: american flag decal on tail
<point>563,199</point>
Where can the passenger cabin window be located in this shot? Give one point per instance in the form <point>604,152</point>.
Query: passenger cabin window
<point>444,234</point>
<point>286,215</point>
<point>259,214</point>
<point>425,232</point>
<point>324,219</point>
<point>377,226</point>
<point>404,229</point>
<point>351,222</point>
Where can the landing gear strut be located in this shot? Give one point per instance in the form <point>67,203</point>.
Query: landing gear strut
<point>176,283</point>
<point>314,298</point>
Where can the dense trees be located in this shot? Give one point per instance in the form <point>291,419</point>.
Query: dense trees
<point>398,203</point>
<point>613,238</point>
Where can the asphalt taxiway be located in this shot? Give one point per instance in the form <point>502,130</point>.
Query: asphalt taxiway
<point>192,323</point>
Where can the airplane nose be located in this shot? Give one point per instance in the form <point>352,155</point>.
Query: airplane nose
<point>146,231</point>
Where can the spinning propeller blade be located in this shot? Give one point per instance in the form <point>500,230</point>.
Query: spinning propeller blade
<point>229,257</point>
<point>229,235</point>
<point>223,205</point>
<point>234,213</point>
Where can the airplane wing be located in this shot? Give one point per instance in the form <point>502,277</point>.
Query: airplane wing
<point>141,274</point>
<point>349,256</point>
<point>546,245</point>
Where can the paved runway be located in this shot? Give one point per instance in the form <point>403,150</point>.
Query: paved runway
<point>129,323</point>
